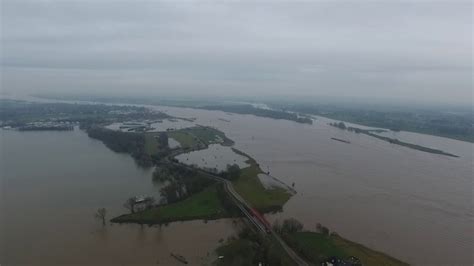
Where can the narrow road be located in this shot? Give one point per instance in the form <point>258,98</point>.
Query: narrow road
<point>244,207</point>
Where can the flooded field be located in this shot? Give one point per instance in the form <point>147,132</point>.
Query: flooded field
<point>216,157</point>
<point>172,143</point>
<point>152,126</point>
<point>48,203</point>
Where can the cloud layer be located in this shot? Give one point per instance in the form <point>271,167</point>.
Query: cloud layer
<point>398,50</point>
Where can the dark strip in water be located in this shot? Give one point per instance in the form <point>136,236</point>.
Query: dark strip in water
<point>410,145</point>
<point>341,140</point>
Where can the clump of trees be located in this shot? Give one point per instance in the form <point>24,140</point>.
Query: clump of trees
<point>181,181</point>
<point>163,140</point>
<point>322,229</point>
<point>340,125</point>
<point>130,204</point>
<point>229,206</point>
<point>232,173</point>
<point>289,226</point>
<point>123,142</point>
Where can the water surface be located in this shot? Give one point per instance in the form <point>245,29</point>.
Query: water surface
<point>413,205</point>
<point>52,183</point>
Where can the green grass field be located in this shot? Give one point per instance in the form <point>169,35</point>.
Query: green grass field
<point>248,185</point>
<point>209,135</point>
<point>319,245</point>
<point>202,205</point>
<point>199,136</point>
<point>151,143</point>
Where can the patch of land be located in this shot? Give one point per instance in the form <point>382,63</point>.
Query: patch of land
<point>199,137</point>
<point>248,185</point>
<point>249,109</point>
<point>191,195</point>
<point>17,114</point>
<point>152,145</point>
<point>318,247</point>
<point>369,132</point>
<point>202,205</point>
<point>449,122</point>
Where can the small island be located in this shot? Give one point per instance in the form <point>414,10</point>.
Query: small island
<point>370,132</point>
<point>270,113</point>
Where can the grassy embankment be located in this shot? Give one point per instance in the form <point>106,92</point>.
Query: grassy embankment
<point>317,247</point>
<point>248,185</point>
<point>203,205</point>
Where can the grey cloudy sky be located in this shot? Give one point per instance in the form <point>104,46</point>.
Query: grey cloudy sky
<point>401,50</point>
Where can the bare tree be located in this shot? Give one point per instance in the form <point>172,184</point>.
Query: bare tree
<point>101,214</point>
<point>130,204</point>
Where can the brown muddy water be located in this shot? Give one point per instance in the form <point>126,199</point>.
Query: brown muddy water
<point>51,185</point>
<point>413,205</point>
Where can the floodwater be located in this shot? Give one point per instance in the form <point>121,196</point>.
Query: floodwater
<point>216,157</point>
<point>413,205</point>
<point>156,126</point>
<point>173,144</point>
<point>52,183</point>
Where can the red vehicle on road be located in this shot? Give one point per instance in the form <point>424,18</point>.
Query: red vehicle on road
<point>261,219</point>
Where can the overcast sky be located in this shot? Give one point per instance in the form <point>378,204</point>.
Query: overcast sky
<point>411,50</point>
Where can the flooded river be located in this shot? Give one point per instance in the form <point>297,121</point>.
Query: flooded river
<point>52,183</point>
<point>413,205</point>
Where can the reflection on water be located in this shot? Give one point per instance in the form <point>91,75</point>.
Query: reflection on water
<point>52,183</point>
<point>216,157</point>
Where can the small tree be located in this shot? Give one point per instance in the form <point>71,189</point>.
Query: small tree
<point>322,229</point>
<point>130,204</point>
<point>292,225</point>
<point>233,172</point>
<point>101,214</point>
